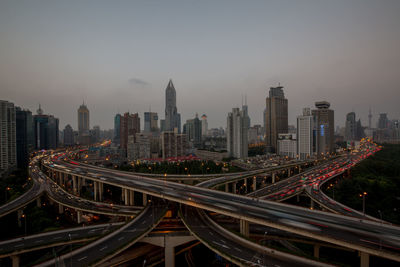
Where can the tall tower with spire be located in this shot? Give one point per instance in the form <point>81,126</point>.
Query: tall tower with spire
<point>83,120</point>
<point>172,117</point>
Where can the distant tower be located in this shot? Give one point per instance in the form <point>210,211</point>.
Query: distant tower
<point>39,111</point>
<point>83,119</point>
<point>204,125</point>
<point>172,117</point>
<point>276,117</point>
<point>369,119</point>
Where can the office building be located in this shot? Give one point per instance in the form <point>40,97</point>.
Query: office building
<point>287,145</point>
<point>324,128</point>
<point>305,138</point>
<point>24,136</point>
<point>236,133</point>
<point>192,129</point>
<point>383,122</point>
<point>276,119</point>
<point>130,125</point>
<point>45,130</point>
<point>150,122</point>
<point>173,144</point>
<point>172,117</point>
<point>68,136</point>
<point>139,147</point>
<point>204,125</point>
<point>351,127</point>
<point>117,129</point>
<point>8,149</point>
<point>83,125</point>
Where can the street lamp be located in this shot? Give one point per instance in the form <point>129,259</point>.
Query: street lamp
<point>24,216</point>
<point>363,196</point>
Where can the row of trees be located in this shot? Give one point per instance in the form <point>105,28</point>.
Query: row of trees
<point>379,177</point>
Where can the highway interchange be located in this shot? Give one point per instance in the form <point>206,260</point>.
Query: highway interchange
<point>356,233</point>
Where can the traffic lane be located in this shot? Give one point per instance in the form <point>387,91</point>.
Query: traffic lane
<point>227,246</point>
<point>172,189</point>
<point>109,244</point>
<point>62,196</point>
<point>40,240</point>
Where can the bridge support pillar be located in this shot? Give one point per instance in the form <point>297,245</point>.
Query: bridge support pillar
<point>288,172</point>
<point>364,259</point>
<point>78,216</point>
<point>245,185</point>
<point>126,196</point>
<point>234,187</point>
<point>95,185</point>
<point>60,209</point>
<point>131,198</point>
<point>19,214</point>
<point>15,260</point>
<point>244,228</point>
<point>254,183</point>
<point>144,197</point>
<point>169,243</point>
<point>74,185</point>
<point>79,185</point>
<point>316,251</point>
<point>226,187</point>
<point>298,198</point>
<point>38,202</point>
<point>273,177</point>
<point>312,204</point>
<point>100,187</point>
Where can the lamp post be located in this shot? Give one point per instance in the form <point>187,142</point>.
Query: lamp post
<point>24,216</point>
<point>380,214</point>
<point>363,196</point>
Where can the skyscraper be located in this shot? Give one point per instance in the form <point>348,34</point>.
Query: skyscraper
<point>130,125</point>
<point>383,121</point>
<point>24,136</point>
<point>305,137</point>
<point>351,126</point>
<point>45,130</point>
<point>172,117</point>
<point>204,125</point>
<point>150,122</point>
<point>276,119</point>
<point>68,136</point>
<point>83,119</point>
<point>324,128</point>
<point>8,153</point>
<point>236,133</point>
<point>117,129</point>
<point>192,129</point>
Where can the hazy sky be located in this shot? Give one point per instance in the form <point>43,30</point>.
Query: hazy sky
<point>119,55</point>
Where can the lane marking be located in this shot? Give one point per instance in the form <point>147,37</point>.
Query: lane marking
<point>38,241</point>
<point>122,237</point>
<point>82,258</point>
<point>103,248</point>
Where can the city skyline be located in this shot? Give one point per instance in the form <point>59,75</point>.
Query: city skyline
<point>116,63</point>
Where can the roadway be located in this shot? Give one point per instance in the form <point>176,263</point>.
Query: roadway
<point>369,237</point>
<point>55,238</point>
<point>111,244</point>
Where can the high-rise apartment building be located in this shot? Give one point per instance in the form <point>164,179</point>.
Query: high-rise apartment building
<point>68,136</point>
<point>324,128</point>
<point>276,119</point>
<point>172,117</point>
<point>150,122</point>
<point>130,125</point>
<point>383,121</point>
<point>287,145</point>
<point>8,149</point>
<point>305,138</point>
<point>24,136</point>
<point>83,119</point>
<point>192,128</point>
<point>204,125</point>
<point>173,144</point>
<point>351,127</point>
<point>117,129</point>
<point>236,133</point>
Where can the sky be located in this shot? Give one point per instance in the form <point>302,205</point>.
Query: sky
<point>118,56</point>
